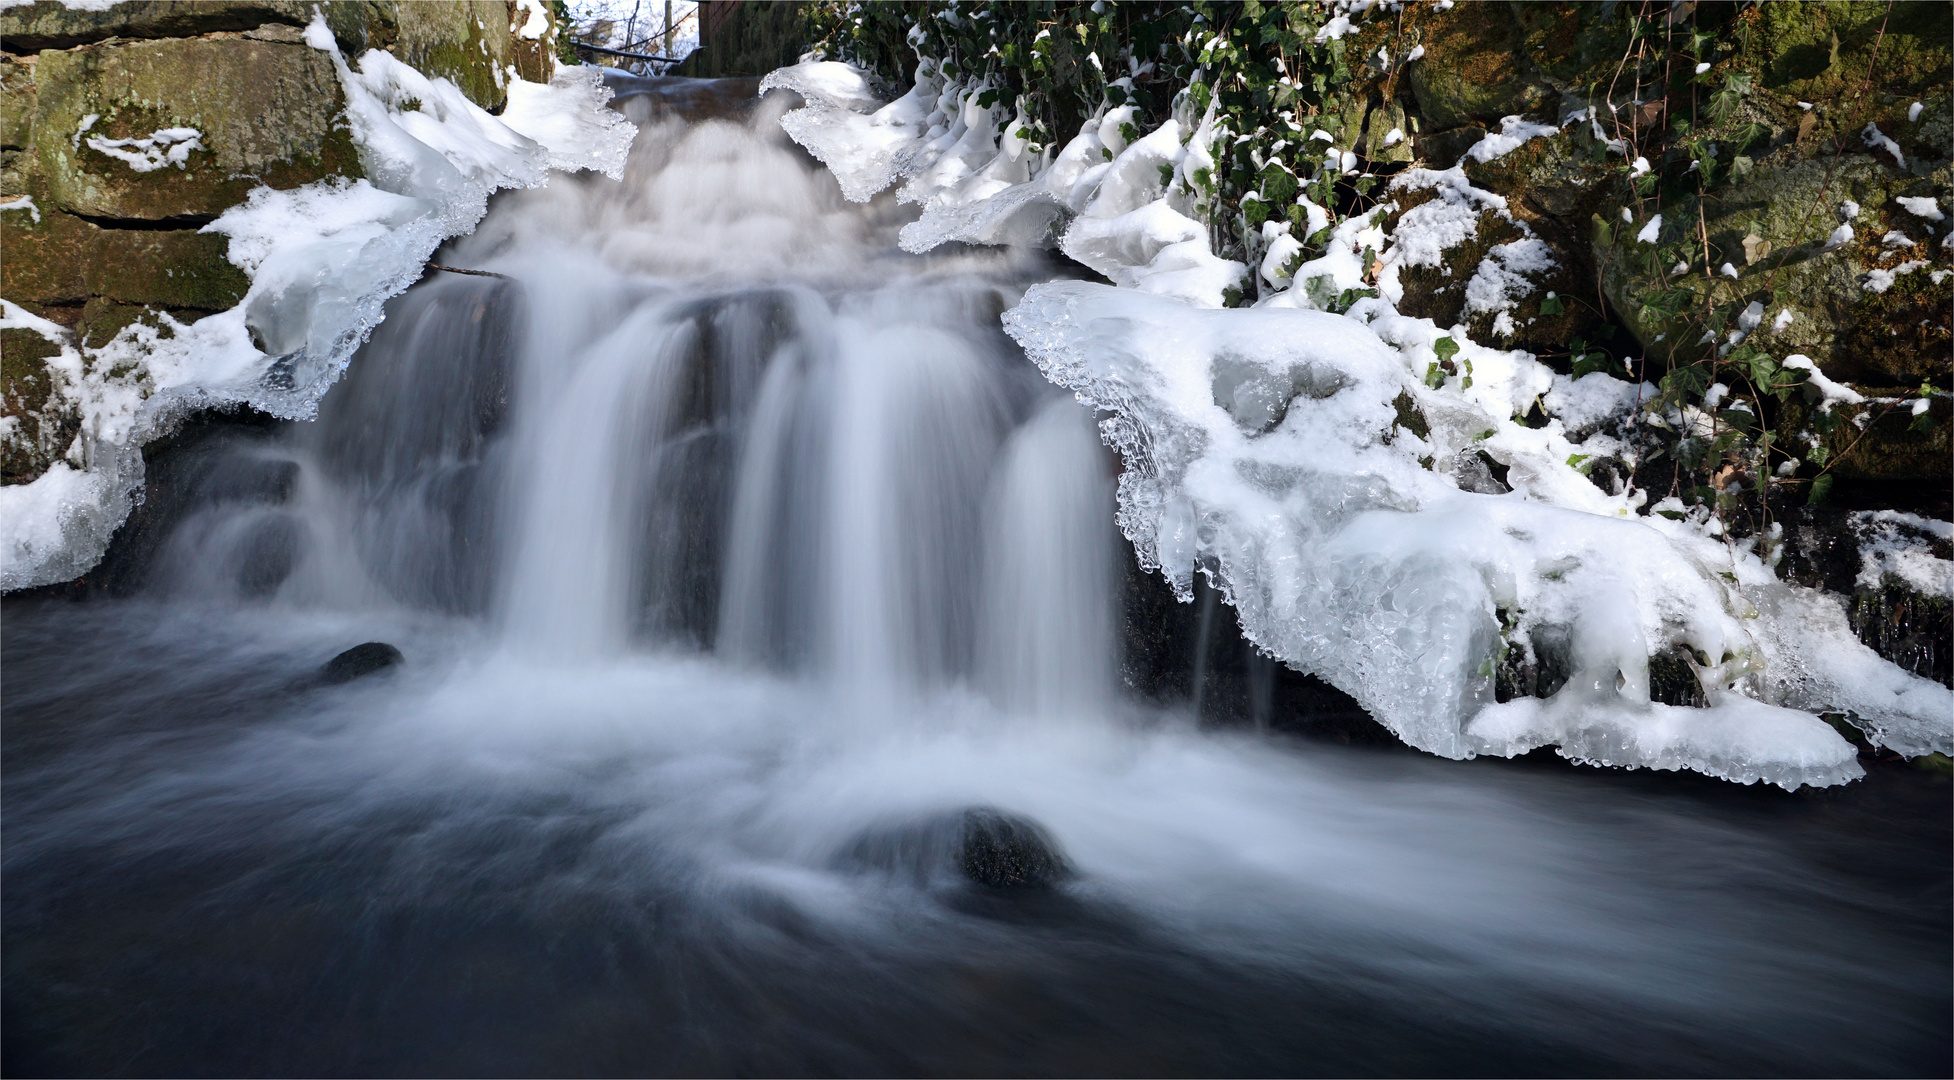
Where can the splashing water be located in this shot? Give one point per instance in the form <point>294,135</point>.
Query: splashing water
<point>723,536</point>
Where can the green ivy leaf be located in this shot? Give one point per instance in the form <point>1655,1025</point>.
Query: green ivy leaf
<point>1821,487</point>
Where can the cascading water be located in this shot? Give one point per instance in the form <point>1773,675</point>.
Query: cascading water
<point>733,553</point>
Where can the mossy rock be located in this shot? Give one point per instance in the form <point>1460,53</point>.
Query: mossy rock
<point>172,268</point>
<point>42,428</point>
<point>1880,440</point>
<point>1473,69</point>
<point>1552,187</point>
<point>1772,227</point>
<point>44,261</point>
<point>1823,52</point>
<point>268,113</point>
<point>357,24</point>
<point>64,259</point>
<point>467,42</point>
<point>16,104</point>
<point>48,25</point>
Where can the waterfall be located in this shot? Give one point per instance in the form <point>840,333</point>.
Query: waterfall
<point>836,466</point>
<point>753,588</point>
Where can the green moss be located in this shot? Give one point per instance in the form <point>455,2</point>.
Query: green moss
<point>1474,68</point>
<point>1824,51</point>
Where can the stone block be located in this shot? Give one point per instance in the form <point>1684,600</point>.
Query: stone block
<point>177,268</point>
<point>467,42</point>
<point>16,104</point>
<point>45,262</point>
<point>48,25</point>
<point>266,112</point>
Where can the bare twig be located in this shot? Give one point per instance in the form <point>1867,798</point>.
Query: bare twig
<point>470,273</point>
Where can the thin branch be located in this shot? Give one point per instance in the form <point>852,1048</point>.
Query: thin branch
<point>470,273</point>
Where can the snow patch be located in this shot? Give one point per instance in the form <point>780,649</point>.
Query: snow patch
<point>170,146</point>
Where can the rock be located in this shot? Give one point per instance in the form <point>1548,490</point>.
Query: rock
<point>48,25</point>
<point>45,429</point>
<point>1443,149</point>
<point>16,104</point>
<point>1824,547</point>
<point>981,845</point>
<point>268,113</point>
<point>357,26</point>
<point>467,42</point>
<point>1006,852</point>
<point>1873,441</point>
<point>1472,70</point>
<point>1377,130</point>
<point>359,662</point>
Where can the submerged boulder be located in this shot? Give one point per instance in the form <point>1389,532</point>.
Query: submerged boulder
<point>359,662</point>
<point>1007,852</point>
<point>981,845</point>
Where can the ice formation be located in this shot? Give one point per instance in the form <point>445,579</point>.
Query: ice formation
<point>1331,473</point>
<point>322,260</point>
<point>1127,207</point>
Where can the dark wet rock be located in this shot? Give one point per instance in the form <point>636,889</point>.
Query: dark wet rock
<point>359,662</point>
<point>1194,655</point>
<point>1006,852</point>
<point>647,99</point>
<point>984,846</point>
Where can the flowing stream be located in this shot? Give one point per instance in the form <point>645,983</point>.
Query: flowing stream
<point>732,554</point>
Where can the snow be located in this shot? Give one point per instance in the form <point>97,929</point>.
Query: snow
<point>536,19</point>
<point>1503,279</point>
<point>1428,230</point>
<point>1901,545</point>
<point>170,146</point>
<point>1260,449</point>
<point>1335,28</point>
<point>1881,280</point>
<point>322,259</point>
<point>1833,393</point>
<point>1913,112</point>
<point>1651,232</point>
<point>1896,238</point>
<point>1701,68</point>
<point>1585,404</point>
<point>23,202</point>
<point>1783,319</point>
<point>1923,206</point>
<point>1840,237</point>
<point>1878,140</point>
<point>1514,132</point>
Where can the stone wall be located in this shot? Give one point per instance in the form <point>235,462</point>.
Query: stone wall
<point>95,241</point>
